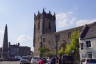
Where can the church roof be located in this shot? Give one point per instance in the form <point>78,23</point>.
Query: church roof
<point>89,31</point>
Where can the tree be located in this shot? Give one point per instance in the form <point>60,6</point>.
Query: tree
<point>62,48</point>
<point>75,40</point>
<point>68,49</point>
<point>61,51</point>
<point>74,43</point>
<point>43,51</point>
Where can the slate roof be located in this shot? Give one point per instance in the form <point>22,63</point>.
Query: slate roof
<point>89,31</point>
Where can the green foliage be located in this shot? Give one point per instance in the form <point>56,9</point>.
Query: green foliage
<point>75,40</point>
<point>50,53</point>
<point>43,51</point>
<point>74,43</point>
<point>61,51</point>
<point>68,49</point>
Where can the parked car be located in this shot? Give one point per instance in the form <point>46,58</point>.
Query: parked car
<point>18,57</point>
<point>89,61</point>
<point>12,59</point>
<point>41,61</point>
<point>35,60</point>
<point>1,59</point>
<point>24,60</point>
<point>45,60</point>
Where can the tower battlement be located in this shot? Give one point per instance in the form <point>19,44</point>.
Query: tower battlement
<point>44,14</point>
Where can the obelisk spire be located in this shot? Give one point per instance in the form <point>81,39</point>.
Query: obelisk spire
<point>5,44</point>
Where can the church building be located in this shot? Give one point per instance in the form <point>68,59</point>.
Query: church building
<point>45,34</point>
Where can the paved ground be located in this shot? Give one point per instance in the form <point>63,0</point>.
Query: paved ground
<point>9,62</point>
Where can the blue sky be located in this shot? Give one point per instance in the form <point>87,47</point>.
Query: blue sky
<point>19,16</point>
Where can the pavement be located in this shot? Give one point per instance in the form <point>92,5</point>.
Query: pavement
<point>9,62</point>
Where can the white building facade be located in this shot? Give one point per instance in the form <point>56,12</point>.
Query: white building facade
<point>88,49</point>
<point>87,42</point>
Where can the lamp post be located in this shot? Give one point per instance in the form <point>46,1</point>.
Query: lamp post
<point>56,47</point>
<point>57,38</point>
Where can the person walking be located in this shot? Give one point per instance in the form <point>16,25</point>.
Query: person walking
<point>60,60</point>
<point>53,60</point>
<point>41,61</point>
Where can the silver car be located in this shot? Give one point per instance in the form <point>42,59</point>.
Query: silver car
<point>24,60</point>
<point>35,60</point>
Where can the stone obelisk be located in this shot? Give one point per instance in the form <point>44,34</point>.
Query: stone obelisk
<point>5,48</point>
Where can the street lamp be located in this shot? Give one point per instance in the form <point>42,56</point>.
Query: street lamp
<point>57,39</point>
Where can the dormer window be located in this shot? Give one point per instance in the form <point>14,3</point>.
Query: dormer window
<point>88,43</point>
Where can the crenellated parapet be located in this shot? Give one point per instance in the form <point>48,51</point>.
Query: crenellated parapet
<point>44,14</point>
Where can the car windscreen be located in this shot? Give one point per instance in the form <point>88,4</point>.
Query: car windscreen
<point>25,57</point>
<point>36,58</point>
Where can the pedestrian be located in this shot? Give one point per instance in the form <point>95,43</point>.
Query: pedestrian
<point>62,59</point>
<point>41,61</point>
<point>59,60</point>
<point>53,60</point>
<point>48,60</point>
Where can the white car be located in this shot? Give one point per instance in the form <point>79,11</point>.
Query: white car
<point>35,60</point>
<point>18,57</point>
<point>24,60</point>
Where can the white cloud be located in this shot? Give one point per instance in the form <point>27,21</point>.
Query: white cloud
<point>26,40</point>
<point>68,20</point>
<point>63,20</point>
<point>85,21</point>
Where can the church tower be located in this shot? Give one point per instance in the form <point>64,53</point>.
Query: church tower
<point>5,53</point>
<point>44,23</point>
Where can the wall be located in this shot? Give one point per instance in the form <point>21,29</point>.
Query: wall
<point>83,53</point>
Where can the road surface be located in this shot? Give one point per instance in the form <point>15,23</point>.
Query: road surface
<point>9,62</point>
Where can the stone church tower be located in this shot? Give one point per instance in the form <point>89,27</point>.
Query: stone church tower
<point>44,23</point>
<point>5,48</point>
